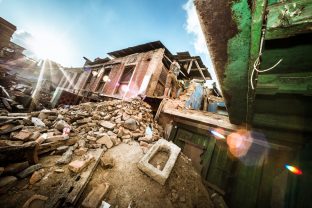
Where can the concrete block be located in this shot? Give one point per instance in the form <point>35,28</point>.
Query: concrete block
<point>160,175</point>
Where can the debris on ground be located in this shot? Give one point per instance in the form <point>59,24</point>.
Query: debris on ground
<point>16,94</point>
<point>55,153</point>
<point>129,185</point>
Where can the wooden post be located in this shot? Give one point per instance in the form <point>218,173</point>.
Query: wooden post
<point>190,66</point>
<point>201,72</point>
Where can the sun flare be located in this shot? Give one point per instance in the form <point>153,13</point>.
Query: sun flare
<point>47,45</point>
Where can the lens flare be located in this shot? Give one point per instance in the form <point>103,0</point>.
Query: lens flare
<point>293,169</point>
<point>217,134</point>
<point>239,142</point>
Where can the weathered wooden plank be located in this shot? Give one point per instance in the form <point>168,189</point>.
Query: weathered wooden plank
<point>160,107</point>
<point>221,165</point>
<point>18,115</point>
<point>226,26</point>
<point>288,122</point>
<point>214,187</point>
<point>13,117</point>
<point>47,147</point>
<point>207,157</point>
<point>194,124</point>
<point>255,50</point>
<point>85,177</point>
<point>70,191</point>
<point>205,117</point>
<point>15,128</point>
<point>291,83</point>
<point>289,19</point>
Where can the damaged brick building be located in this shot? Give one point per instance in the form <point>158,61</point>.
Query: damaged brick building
<point>135,71</point>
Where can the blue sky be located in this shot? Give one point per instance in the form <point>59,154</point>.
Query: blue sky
<point>76,28</point>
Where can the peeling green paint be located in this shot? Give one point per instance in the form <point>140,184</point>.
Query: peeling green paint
<point>289,19</point>
<point>272,1</point>
<point>237,65</point>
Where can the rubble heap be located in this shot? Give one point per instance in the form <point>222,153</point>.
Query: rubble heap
<point>70,132</point>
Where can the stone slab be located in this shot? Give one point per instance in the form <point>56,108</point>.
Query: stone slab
<point>159,175</point>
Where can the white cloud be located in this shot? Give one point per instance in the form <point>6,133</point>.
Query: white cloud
<point>193,27</point>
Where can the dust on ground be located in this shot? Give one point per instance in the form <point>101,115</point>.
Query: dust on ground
<point>128,184</point>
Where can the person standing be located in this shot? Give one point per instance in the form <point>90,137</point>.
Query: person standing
<point>172,81</point>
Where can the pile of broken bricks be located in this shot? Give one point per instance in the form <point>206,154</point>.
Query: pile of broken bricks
<point>73,131</point>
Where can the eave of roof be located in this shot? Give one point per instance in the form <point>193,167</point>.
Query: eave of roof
<point>140,49</point>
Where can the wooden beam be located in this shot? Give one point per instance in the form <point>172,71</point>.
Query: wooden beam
<point>289,19</point>
<point>71,188</point>
<point>199,127</point>
<point>167,58</point>
<point>171,62</point>
<point>190,59</point>
<point>190,66</point>
<point>201,72</point>
<point>204,117</point>
<point>258,16</point>
<point>291,83</point>
<point>196,69</point>
<point>286,122</point>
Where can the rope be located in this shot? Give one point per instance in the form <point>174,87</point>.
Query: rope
<point>257,62</point>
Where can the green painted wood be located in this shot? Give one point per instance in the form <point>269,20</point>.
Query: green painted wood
<point>246,185</point>
<point>207,156</point>
<point>285,137</point>
<point>291,83</point>
<point>303,191</point>
<point>289,19</point>
<point>274,178</point>
<point>173,132</point>
<point>284,104</point>
<point>219,171</point>
<point>281,122</point>
<point>255,42</point>
<point>174,136</point>
<point>238,50</point>
<point>295,52</point>
<point>186,135</point>
<point>283,98</point>
<point>273,2</point>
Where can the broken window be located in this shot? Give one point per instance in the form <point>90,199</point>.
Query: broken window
<point>125,79</point>
<point>88,83</point>
<point>126,75</point>
<point>103,80</point>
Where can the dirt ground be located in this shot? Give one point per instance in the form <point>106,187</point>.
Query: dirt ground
<point>129,185</point>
